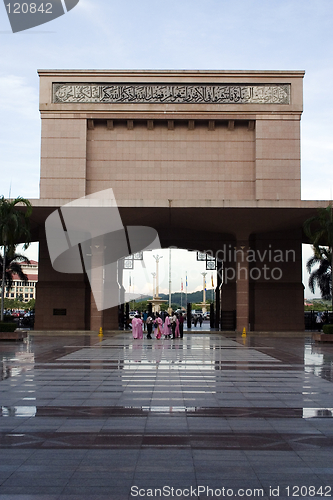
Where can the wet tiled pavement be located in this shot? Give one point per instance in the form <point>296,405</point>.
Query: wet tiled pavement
<point>206,416</point>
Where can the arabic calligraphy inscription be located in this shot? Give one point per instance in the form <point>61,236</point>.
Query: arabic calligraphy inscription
<point>171,93</point>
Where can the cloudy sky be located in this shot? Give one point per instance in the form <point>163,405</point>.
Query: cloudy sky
<point>182,34</point>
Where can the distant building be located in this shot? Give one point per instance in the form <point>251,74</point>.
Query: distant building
<point>24,290</point>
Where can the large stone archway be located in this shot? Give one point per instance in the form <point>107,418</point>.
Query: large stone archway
<point>210,159</point>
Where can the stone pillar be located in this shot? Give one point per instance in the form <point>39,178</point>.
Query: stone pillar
<point>278,294</point>
<point>228,289</point>
<point>96,316</point>
<point>96,284</point>
<point>120,278</point>
<point>217,293</point>
<point>111,296</point>
<point>60,300</point>
<point>111,318</point>
<point>122,291</point>
<point>242,284</point>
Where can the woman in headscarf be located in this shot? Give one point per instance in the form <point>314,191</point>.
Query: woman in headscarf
<point>139,326</point>
<point>158,327</point>
<point>135,327</point>
<point>167,327</point>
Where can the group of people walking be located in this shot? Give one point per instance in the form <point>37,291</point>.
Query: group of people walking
<point>171,327</point>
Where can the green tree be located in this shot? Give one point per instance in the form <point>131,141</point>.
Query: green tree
<point>141,306</point>
<point>13,266</point>
<point>14,229</point>
<point>18,304</point>
<point>320,276</point>
<point>319,230</point>
<point>31,304</point>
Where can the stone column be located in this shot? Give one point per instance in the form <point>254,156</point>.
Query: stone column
<point>278,292</point>
<point>242,284</point>
<point>111,297</point>
<point>228,289</point>
<point>218,293</point>
<point>120,281</point>
<point>96,284</point>
<point>58,291</point>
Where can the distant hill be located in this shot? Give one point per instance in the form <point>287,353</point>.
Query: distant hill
<point>194,297</point>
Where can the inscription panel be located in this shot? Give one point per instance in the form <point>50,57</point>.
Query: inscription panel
<point>171,93</point>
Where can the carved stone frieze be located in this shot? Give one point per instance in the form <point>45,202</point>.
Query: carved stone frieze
<point>171,93</point>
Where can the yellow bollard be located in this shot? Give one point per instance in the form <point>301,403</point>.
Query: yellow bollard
<point>100,332</point>
<point>244,332</point>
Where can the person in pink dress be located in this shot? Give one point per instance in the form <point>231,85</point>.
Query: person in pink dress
<point>135,327</point>
<point>139,326</point>
<point>158,327</point>
<point>167,327</point>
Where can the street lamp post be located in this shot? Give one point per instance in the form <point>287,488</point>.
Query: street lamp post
<point>169,280</point>
<point>157,258</point>
<point>154,276</point>
<point>204,289</point>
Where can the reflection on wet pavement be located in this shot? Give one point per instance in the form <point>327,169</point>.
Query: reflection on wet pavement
<point>210,403</point>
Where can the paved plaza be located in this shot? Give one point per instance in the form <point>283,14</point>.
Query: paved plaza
<point>210,415</point>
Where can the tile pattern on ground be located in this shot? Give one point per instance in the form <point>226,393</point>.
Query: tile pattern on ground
<point>88,419</point>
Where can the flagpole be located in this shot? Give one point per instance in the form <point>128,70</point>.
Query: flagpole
<point>204,291</point>
<point>169,280</point>
<point>181,294</point>
<point>186,290</point>
<point>153,275</point>
<point>133,293</point>
<point>130,289</point>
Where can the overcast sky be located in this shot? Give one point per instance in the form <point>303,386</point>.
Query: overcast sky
<point>182,34</point>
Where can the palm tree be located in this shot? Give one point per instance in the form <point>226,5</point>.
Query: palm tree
<point>13,267</point>
<point>321,275</point>
<point>319,230</point>
<point>14,229</point>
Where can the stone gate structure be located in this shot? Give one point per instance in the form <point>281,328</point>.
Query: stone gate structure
<point>210,159</point>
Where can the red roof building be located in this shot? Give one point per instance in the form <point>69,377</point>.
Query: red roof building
<point>24,291</point>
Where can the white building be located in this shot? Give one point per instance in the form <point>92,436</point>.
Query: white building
<point>24,290</point>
